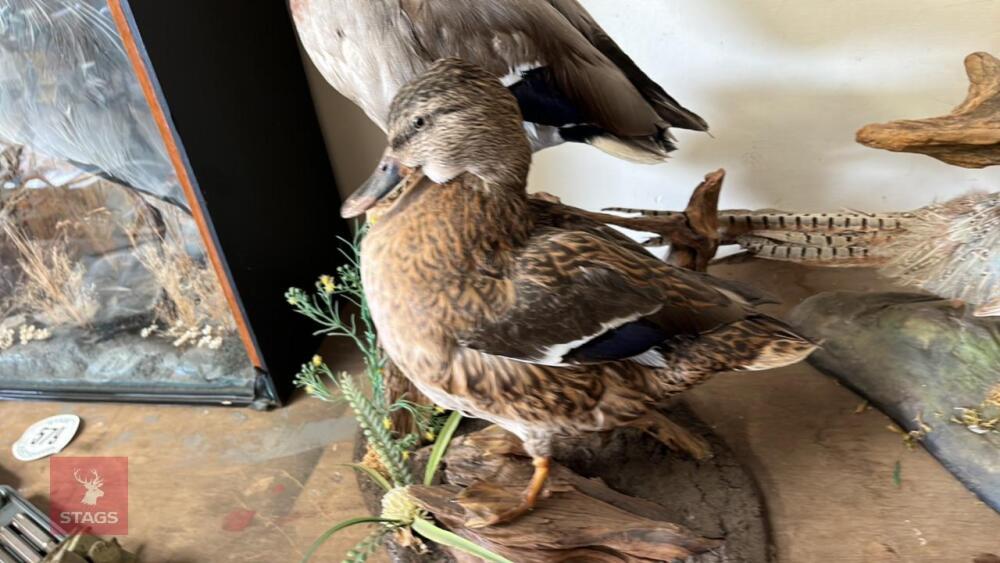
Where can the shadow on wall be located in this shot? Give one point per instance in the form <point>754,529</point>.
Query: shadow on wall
<point>354,143</point>
<point>783,146</point>
<point>794,148</point>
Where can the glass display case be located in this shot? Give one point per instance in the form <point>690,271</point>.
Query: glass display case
<point>143,246</point>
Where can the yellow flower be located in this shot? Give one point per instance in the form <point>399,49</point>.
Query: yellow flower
<point>387,423</point>
<point>317,360</point>
<point>406,456</point>
<point>327,283</point>
<point>429,436</point>
<point>439,410</point>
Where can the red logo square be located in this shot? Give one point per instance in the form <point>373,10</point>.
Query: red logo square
<point>89,493</point>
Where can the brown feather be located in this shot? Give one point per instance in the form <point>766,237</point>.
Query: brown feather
<point>500,36</point>
<point>665,106</point>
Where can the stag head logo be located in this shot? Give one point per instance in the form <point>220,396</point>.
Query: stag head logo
<point>93,487</point>
<point>88,493</point>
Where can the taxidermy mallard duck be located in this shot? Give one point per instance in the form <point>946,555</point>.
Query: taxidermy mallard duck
<point>518,311</point>
<point>572,81</point>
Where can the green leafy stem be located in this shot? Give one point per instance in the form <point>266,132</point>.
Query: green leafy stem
<point>372,410</point>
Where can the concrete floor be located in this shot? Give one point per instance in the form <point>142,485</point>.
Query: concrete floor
<point>213,484</point>
<point>216,484</point>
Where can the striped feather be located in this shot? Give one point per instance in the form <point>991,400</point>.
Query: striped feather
<point>950,249</point>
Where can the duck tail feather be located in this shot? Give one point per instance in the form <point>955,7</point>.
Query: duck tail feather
<point>754,343</point>
<point>643,150</point>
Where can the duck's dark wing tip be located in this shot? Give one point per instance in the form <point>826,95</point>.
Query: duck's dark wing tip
<point>674,114</point>
<point>684,119</point>
<point>669,109</point>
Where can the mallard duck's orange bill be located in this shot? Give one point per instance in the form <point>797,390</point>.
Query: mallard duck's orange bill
<point>386,177</point>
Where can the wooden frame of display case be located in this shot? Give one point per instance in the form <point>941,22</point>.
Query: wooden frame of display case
<point>226,85</point>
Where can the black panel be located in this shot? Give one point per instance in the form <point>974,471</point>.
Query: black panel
<point>232,79</point>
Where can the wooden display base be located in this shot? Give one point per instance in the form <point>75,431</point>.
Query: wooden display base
<point>616,497</point>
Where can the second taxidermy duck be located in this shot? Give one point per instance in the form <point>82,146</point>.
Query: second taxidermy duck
<point>517,311</point>
<point>571,80</point>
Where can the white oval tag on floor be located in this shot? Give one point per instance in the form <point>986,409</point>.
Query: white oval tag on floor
<point>46,437</point>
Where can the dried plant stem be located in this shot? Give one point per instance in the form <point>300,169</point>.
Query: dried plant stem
<point>192,296</point>
<point>54,285</point>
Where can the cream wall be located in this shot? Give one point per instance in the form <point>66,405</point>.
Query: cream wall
<point>783,84</point>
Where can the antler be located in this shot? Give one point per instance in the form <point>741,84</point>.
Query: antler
<point>95,482</point>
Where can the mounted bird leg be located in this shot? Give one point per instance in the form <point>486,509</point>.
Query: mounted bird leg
<point>693,235</point>
<point>530,495</point>
<point>702,215</point>
<point>491,504</point>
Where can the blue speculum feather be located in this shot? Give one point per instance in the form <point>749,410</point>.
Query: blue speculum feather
<point>542,102</point>
<point>626,341</point>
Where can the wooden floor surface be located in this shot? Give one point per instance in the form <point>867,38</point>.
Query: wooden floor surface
<point>215,484</point>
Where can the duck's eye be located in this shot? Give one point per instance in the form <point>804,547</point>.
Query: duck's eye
<point>419,123</point>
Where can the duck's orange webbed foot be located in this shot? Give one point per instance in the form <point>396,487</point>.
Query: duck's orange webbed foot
<point>490,504</point>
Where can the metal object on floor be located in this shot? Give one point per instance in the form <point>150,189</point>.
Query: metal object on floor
<point>18,546</point>
<point>35,534</point>
<point>90,549</point>
<point>26,534</point>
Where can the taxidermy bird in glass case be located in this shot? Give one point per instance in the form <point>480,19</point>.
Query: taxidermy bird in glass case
<point>67,91</point>
<point>571,80</point>
<point>519,311</point>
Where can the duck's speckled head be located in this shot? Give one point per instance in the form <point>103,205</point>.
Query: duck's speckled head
<point>455,118</point>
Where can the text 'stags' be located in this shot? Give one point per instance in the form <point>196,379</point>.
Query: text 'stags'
<point>89,493</point>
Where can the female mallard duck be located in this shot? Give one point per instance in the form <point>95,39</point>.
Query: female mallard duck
<point>517,311</point>
<point>572,81</point>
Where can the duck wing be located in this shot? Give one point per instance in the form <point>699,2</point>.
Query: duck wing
<point>669,109</point>
<point>563,68</point>
<point>583,298</point>
<point>365,49</point>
